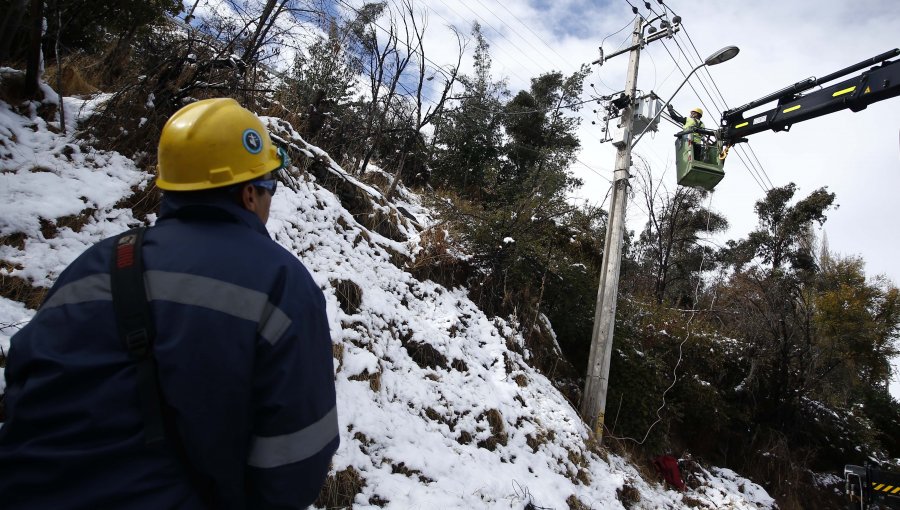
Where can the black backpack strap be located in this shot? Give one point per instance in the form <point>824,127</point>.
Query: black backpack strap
<point>135,327</point>
<point>136,330</point>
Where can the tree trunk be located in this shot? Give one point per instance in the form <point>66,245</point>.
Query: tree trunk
<point>33,65</point>
<point>266,20</point>
<point>396,180</point>
<point>12,20</point>
<point>59,87</point>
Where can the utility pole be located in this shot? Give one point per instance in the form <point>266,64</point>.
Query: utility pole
<point>593,405</point>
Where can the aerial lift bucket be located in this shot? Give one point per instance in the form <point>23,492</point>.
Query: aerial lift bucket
<point>705,172</point>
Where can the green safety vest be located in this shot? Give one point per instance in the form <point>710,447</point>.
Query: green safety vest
<point>691,123</point>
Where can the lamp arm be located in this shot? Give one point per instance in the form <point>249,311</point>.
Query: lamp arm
<point>665,105</point>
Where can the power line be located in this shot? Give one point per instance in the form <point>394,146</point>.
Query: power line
<point>620,45</point>
<point>516,32</point>
<point>489,26</point>
<point>718,111</point>
<point>501,4</point>
<point>607,179</point>
<point>705,68</point>
<point>436,67</point>
<point>724,103</point>
<point>758,168</point>
<point>752,171</point>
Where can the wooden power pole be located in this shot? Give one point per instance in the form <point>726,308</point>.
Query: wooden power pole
<point>593,405</point>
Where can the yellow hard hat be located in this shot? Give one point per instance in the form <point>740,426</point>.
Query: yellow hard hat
<point>698,110</point>
<point>211,144</point>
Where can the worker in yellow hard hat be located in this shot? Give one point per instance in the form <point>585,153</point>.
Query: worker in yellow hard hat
<point>693,121</point>
<point>189,364</point>
<point>215,144</point>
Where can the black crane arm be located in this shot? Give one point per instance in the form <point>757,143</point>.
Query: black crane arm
<point>876,84</point>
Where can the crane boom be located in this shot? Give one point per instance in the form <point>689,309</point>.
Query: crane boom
<point>876,84</point>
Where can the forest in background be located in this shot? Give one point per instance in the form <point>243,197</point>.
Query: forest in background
<point>780,349</point>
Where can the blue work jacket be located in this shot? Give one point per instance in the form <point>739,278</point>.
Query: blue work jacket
<point>244,361</point>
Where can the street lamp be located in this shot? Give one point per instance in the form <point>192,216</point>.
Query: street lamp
<point>725,54</point>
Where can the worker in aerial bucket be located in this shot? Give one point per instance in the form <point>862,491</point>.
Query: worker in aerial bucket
<point>188,366</point>
<point>692,121</point>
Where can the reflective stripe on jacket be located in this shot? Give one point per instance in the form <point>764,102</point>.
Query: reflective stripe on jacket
<point>244,359</point>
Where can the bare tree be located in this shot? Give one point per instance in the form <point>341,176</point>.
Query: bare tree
<point>425,115</point>
<point>670,241</point>
<point>387,62</point>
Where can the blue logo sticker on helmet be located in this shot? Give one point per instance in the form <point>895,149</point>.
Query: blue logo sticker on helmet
<point>252,141</point>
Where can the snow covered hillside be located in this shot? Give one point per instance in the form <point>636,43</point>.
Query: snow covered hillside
<point>438,406</point>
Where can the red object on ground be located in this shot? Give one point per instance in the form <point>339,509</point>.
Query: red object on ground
<point>667,466</point>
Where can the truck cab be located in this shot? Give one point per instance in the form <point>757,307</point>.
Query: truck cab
<point>872,487</point>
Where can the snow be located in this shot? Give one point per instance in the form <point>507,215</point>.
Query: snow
<point>435,410</point>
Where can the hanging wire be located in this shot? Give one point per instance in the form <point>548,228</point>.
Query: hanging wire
<point>749,168</point>
<point>687,337</point>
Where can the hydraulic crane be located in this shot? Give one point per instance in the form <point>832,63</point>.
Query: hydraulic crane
<point>793,104</point>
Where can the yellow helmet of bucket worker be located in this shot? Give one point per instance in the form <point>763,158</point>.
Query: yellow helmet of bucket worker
<point>697,111</point>
<point>214,143</point>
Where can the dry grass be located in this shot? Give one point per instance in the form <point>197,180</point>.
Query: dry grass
<point>141,201</point>
<point>12,86</point>
<point>424,354</point>
<point>628,495</point>
<point>21,290</point>
<point>398,259</point>
<point>576,504</point>
<point>16,240</point>
<point>581,474</point>
<point>349,295</point>
<point>75,222</point>
<point>408,472</point>
<point>337,352</point>
<point>340,489</point>
<point>780,465</point>
<point>498,430</point>
<point>459,365</point>
<point>377,179</point>
<point>374,379</point>
<point>386,223</point>
<point>543,437</point>
<point>79,76</point>
<point>691,502</point>
<point>435,261</point>
<point>374,213</point>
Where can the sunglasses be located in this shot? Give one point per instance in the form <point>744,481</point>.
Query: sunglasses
<point>269,185</point>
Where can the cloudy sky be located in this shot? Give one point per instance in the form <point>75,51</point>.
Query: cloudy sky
<point>856,155</point>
